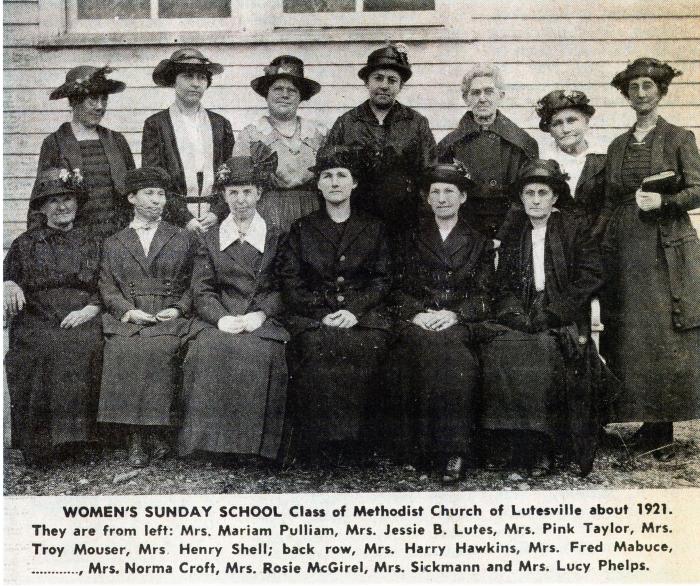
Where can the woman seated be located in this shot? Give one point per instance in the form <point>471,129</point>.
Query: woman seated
<point>335,274</point>
<point>443,288</point>
<point>145,287</point>
<point>55,351</point>
<point>235,384</point>
<point>533,373</point>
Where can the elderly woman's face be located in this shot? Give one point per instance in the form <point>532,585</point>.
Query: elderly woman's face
<point>538,199</point>
<point>242,200</point>
<point>60,210</point>
<point>643,94</point>
<point>283,99</point>
<point>336,184</point>
<point>483,97</point>
<point>190,86</point>
<point>148,202</point>
<point>90,111</point>
<point>445,200</point>
<point>569,128</point>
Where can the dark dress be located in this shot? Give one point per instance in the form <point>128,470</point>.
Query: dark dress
<point>103,164</point>
<point>53,373</point>
<point>439,371</point>
<point>235,385</point>
<point>142,370</point>
<point>652,300</point>
<point>327,267</point>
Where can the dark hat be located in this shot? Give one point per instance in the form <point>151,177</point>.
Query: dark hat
<point>645,67</point>
<point>455,173</point>
<point>545,171</point>
<point>389,57</point>
<point>287,67</point>
<point>344,156</point>
<point>86,80</point>
<point>558,100</point>
<point>136,179</point>
<point>57,181</point>
<point>254,169</point>
<point>185,59</point>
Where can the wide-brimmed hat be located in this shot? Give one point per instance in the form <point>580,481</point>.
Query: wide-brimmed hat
<point>455,173</point>
<point>185,59</point>
<point>58,181</point>
<point>256,169</point>
<point>86,80</point>
<point>389,57</point>
<point>645,67</point>
<point>545,171</point>
<point>349,157</point>
<point>136,179</point>
<point>558,100</point>
<point>286,67</point>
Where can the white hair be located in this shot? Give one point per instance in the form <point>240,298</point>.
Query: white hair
<point>482,70</point>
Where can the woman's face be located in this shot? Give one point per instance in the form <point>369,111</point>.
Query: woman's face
<point>336,184</point>
<point>283,99</point>
<point>190,87</point>
<point>242,200</point>
<point>60,210</point>
<point>569,129</point>
<point>538,199</point>
<point>643,95</point>
<point>445,200</point>
<point>90,111</point>
<point>148,202</point>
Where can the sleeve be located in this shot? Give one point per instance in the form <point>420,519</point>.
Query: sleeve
<point>242,147</point>
<point>207,300</point>
<point>269,296</point>
<point>477,306</point>
<point>336,135</point>
<point>506,292</point>
<point>509,222</point>
<point>428,147</point>
<point>687,198</point>
<point>609,200</point>
<point>49,156</point>
<point>406,302</point>
<point>219,206</point>
<point>185,304</point>
<point>112,298</point>
<point>445,152</point>
<point>12,269</point>
<point>151,145</point>
<point>125,150</point>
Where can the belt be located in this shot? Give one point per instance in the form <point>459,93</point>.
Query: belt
<point>157,287</point>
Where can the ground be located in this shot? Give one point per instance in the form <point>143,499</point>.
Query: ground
<point>109,473</point>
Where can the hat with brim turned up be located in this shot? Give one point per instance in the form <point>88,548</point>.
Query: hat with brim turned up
<point>286,67</point>
<point>645,67</point>
<point>455,173</point>
<point>58,181</point>
<point>545,171</point>
<point>558,100</point>
<point>390,57</point>
<point>144,177</point>
<point>86,80</point>
<point>185,59</point>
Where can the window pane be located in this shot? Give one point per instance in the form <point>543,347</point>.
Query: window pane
<point>390,5</point>
<point>89,9</point>
<point>194,8</point>
<point>308,6</point>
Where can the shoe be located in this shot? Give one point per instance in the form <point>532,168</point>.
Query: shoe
<point>138,457</point>
<point>454,470</point>
<point>666,453</point>
<point>159,447</point>
<point>543,466</point>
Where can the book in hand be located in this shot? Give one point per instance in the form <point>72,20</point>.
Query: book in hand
<point>665,183</point>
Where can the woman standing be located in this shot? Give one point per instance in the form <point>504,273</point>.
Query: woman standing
<point>335,275</point>
<point>188,141</point>
<point>235,384</point>
<point>652,257</point>
<point>101,155</point>
<point>565,115</point>
<point>50,292</point>
<point>443,287</point>
<point>296,141</point>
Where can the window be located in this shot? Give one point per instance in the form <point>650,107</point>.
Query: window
<point>313,6</point>
<point>349,13</point>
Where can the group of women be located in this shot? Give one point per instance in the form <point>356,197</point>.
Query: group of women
<point>246,305</point>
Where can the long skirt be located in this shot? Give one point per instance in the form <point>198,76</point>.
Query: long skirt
<point>437,387</point>
<point>53,375</point>
<point>234,394</point>
<point>281,207</point>
<point>335,373</point>
<point>523,383</point>
<point>140,380</point>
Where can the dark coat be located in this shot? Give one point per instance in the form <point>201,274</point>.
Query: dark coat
<point>490,202</point>
<point>455,274</point>
<point>320,278</point>
<point>61,148</point>
<point>159,149</point>
<point>400,149</point>
<point>590,190</point>
<point>224,284</point>
<point>130,280</point>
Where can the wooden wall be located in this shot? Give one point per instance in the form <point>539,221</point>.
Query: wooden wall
<point>540,49</point>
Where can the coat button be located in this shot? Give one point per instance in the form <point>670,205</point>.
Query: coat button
<point>676,311</point>
<point>131,284</point>
<point>676,298</point>
<point>340,279</point>
<point>340,298</point>
<point>342,258</point>
<point>493,183</point>
<point>678,324</point>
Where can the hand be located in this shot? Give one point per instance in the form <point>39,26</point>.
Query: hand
<point>13,300</point>
<point>648,200</point>
<point>167,314</point>
<point>232,324</point>
<point>254,320</point>
<point>441,319</point>
<point>194,226</point>
<point>79,317</point>
<point>208,220</point>
<point>340,319</point>
<point>421,320</point>
<point>137,316</point>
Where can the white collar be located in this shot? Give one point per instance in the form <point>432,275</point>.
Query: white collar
<point>257,232</point>
<point>141,225</point>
